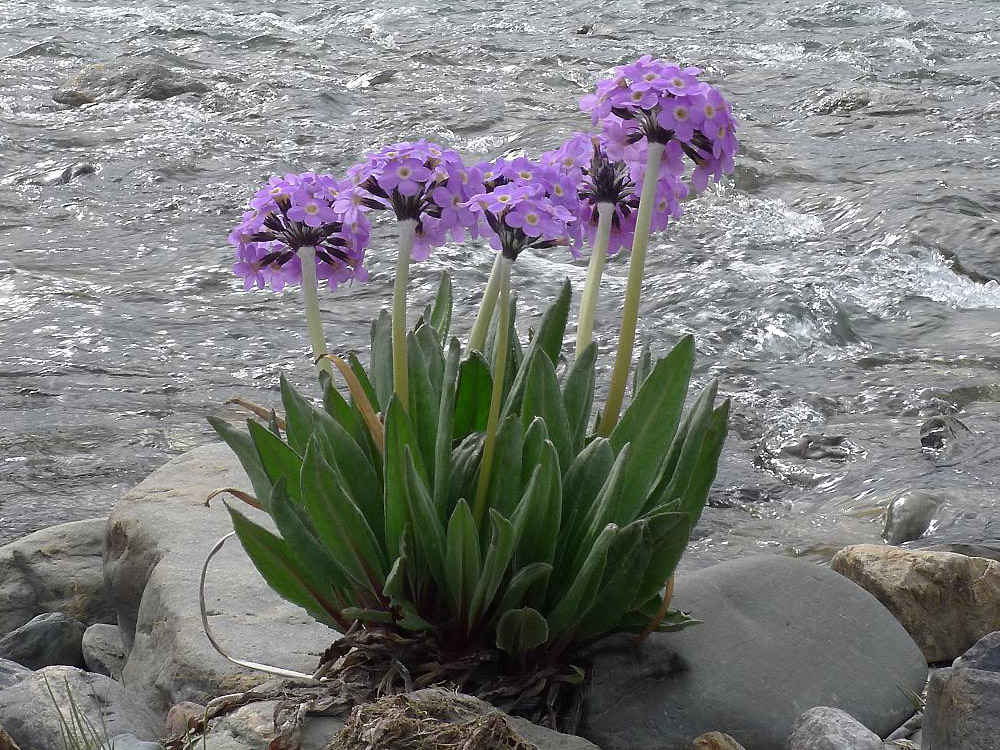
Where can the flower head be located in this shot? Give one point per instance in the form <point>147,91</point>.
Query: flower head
<point>295,211</point>
<point>423,182</point>
<point>525,204</point>
<point>653,101</point>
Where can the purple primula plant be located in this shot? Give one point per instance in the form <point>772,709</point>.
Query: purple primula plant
<point>654,114</point>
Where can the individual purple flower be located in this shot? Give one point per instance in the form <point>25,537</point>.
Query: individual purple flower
<point>291,212</point>
<point>650,100</point>
<point>421,181</point>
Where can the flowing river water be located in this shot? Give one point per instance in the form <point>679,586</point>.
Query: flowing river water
<point>841,286</point>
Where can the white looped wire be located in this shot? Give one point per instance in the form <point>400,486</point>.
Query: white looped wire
<point>211,639</point>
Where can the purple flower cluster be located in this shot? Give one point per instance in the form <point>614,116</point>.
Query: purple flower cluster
<point>295,211</point>
<point>653,101</point>
<point>424,182</point>
<point>525,204</point>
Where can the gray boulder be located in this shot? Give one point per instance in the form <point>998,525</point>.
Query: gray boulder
<point>46,640</point>
<point>945,601</point>
<point>117,79</point>
<point>57,569</point>
<point>779,636</point>
<point>11,672</point>
<point>963,703</point>
<point>129,742</point>
<point>103,651</point>
<point>825,728</point>
<point>32,709</point>
<point>158,536</point>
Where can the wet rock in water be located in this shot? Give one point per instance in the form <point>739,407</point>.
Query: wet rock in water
<point>31,714</point>
<point>909,515</point>
<point>54,570</point>
<point>779,636</point>
<point>988,549</point>
<point>825,728</point>
<point>819,446</point>
<point>945,601</point>
<point>963,703</point>
<point>158,536</point>
<point>367,80</point>
<point>11,672</point>
<point>46,640</point>
<point>103,651</point>
<point>841,102</point>
<point>117,79</point>
<point>943,433</point>
<point>716,741</point>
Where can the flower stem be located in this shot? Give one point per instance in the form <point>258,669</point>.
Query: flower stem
<point>599,254</point>
<point>499,370</point>
<point>630,308</point>
<point>400,382</point>
<point>307,255</point>
<point>477,337</point>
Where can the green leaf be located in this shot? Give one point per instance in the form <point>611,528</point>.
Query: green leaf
<point>298,417</point>
<point>498,556</point>
<point>347,417</point>
<point>668,537</point>
<point>243,446</point>
<point>524,585</point>
<point>424,402</point>
<point>463,565</point>
<point>642,369</point>
<point>399,437</point>
<point>696,494</point>
<point>531,451</point>
<point>520,630</point>
<point>446,418</point>
<point>366,384</point>
<point>472,403</point>
<point>361,479</point>
<point>581,486</point>
<point>607,508</point>
<point>340,524</point>
<point>649,424</point>
<point>537,517</point>
<point>542,398</point>
<point>627,560</point>
<point>581,594</point>
<point>277,458</point>
<point>464,469</point>
<point>428,532</point>
<point>505,480</point>
<point>278,566</point>
<point>297,530</point>
<point>440,317</point>
<point>578,395</point>
<point>431,348</point>
<point>685,460</point>
<point>381,360</point>
<point>548,338</point>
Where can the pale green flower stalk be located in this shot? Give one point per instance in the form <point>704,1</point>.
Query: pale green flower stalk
<point>503,268</point>
<point>400,382</point>
<point>314,324</point>
<point>477,337</point>
<point>595,270</point>
<point>630,308</point>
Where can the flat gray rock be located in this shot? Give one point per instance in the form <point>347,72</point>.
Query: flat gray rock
<point>32,718</point>
<point>159,534</point>
<point>46,640</point>
<point>825,728</point>
<point>57,569</point>
<point>780,636</point>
